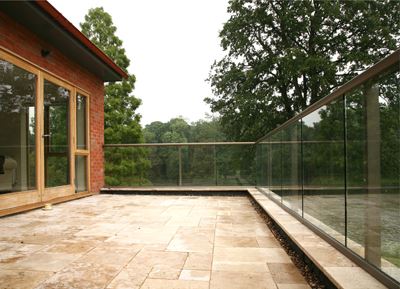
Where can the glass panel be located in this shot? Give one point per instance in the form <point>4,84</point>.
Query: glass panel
<point>373,172</point>
<point>389,107</point>
<point>262,159</point>
<point>81,142</point>
<point>81,174</point>
<point>164,168</point>
<point>127,166</point>
<point>324,172</point>
<point>56,134</point>
<point>235,165</point>
<point>291,167</point>
<point>275,165</point>
<point>198,165</point>
<point>17,128</point>
<point>356,181</point>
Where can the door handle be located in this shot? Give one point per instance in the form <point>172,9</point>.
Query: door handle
<point>46,135</point>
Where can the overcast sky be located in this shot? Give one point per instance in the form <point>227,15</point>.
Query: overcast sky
<point>171,45</point>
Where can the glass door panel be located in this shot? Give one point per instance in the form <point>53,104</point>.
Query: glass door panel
<point>17,128</point>
<point>56,135</point>
<point>81,142</point>
<point>81,174</point>
<point>82,149</point>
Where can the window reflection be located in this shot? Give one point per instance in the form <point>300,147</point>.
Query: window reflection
<point>17,128</point>
<point>81,173</point>
<point>56,134</point>
<point>81,122</point>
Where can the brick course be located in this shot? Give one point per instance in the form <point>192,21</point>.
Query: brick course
<point>27,45</point>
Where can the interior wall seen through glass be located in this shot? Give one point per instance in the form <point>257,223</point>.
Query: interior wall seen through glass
<point>81,173</point>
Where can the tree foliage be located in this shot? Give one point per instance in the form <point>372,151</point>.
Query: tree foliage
<point>281,56</point>
<point>121,122</point>
<point>178,130</point>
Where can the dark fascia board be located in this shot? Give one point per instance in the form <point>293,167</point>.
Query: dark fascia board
<point>48,24</point>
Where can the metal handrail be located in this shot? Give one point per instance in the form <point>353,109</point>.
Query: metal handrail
<point>178,144</point>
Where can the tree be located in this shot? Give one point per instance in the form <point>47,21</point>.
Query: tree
<point>121,122</point>
<point>207,131</point>
<point>282,56</point>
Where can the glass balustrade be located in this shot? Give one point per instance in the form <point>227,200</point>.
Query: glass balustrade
<point>207,164</point>
<point>338,166</point>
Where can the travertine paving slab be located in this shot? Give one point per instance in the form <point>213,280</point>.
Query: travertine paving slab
<point>235,280</point>
<point>173,284</point>
<point>285,273</point>
<point>164,272</point>
<point>81,275</point>
<point>192,240</point>
<point>110,255</point>
<point>12,252</point>
<point>39,261</point>
<point>195,275</point>
<point>129,278</point>
<point>148,258</point>
<point>267,255</point>
<point>17,279</point>
<point>198,261</point>
<point>139,241</point>
<point>71,247</point>
<point>226,241</point>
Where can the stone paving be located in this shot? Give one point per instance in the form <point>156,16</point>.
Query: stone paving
<point>136,241</point>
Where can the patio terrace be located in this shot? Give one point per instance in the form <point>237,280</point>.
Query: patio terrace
<point>144,241</point>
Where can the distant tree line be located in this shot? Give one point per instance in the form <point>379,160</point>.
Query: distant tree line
<point>200,165</point>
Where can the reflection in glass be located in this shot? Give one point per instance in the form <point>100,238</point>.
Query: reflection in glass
<point>291,167</point>
<point>275,167</point>
<point>373,172</point>
<point>17,128</point>
<point>323,169</point>
<point>80,173</point>
<point>262,162</point>
<point>198,165</point>
<point>56,134</point>
<point>127,167</point>
<point>81,142</point>
<point>234,165</point>
<point>162,167</point>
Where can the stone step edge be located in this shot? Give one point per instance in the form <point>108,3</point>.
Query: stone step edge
<point>346,277</point>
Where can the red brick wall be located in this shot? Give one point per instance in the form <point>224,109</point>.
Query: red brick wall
<point>21,41</point>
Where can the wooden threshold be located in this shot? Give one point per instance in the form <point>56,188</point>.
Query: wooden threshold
<point>33,206</point>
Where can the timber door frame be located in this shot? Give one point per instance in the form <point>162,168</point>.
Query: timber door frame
<point>36,197</point>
